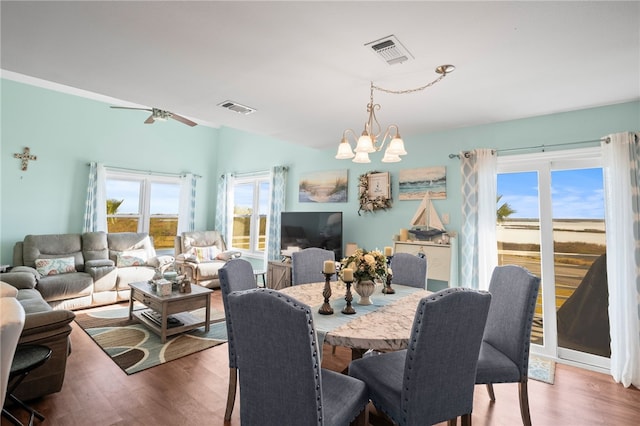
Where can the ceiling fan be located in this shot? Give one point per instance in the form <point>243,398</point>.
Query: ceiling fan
<point>160,114</point>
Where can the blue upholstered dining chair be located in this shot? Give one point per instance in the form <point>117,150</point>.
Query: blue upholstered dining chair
<point>281,381</point>
<point>504,353</point>
<point>235,275</point>
<point>433,380</point>
<point>306,265</point>
<point>409,269</point>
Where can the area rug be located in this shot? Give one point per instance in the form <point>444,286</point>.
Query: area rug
<point>134,347</point>
<point>542,369</point>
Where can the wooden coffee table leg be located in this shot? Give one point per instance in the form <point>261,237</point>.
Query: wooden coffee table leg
<point>163,325</point>
<point>131,306</point>
<point>207,312</point>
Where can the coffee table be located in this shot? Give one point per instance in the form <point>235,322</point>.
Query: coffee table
<point>177,305</point>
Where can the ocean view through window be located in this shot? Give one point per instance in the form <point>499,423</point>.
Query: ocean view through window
<point>138,202</point>
<point>555,228</point>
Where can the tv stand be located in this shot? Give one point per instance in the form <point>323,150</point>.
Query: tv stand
<point>279,274</point>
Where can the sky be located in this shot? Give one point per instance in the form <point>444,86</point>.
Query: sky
<point>576,194</point>
<point>165,197</point>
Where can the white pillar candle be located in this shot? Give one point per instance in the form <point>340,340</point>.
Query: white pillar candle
<point>329,267</point>
<point>347,275</point>
<point>388,251</point>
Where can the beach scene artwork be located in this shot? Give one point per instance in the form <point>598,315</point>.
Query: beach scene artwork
<point>323,187</point>
<point>415,183</point>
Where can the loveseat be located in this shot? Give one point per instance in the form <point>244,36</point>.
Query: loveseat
<point>73,271</point>
<point>44,326</point>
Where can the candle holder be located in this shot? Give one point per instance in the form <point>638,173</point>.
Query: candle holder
<point>348,310</point>
<point>386,289</point>
<point>326,308</point>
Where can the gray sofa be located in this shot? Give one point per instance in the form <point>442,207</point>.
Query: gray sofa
<point>73,271</point>
<point>42,326</point>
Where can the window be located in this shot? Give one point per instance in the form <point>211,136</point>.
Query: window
<point>249,198</point>
<point>551,221</point>
<point>144,203</point>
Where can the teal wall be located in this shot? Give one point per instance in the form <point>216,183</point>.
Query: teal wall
<point>241,152</point>
<point>66,132</point>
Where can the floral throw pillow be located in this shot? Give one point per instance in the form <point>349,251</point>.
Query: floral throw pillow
<point>124,260</point>
<point>55,266</point>
<point>203,254</point>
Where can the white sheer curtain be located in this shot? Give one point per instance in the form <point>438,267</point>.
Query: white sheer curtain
<point>621,157</point>
<point>187,213</point>
<point>478,244</point>
<point>278,190</point>
<point>95,213</point>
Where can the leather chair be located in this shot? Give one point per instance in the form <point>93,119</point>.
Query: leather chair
<point>504,353</point>
<point>200,255</point>
<point>433,380</point>
<point>12,319</point>
<point>281,381</point>
<point>235,275</point>
<point>307,264</point>
<point>409,269</point>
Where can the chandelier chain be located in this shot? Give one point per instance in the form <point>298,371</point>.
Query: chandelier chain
<point>402,92</point>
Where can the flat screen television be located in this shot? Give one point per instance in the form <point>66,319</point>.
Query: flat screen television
<point>300,230</point>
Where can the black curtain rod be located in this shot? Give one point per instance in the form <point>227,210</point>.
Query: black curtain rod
<point>606,139</point>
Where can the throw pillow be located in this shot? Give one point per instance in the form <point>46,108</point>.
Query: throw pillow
<point>204,254</point>
<point>55,266</point>
<point>131,257</point>
<point>123,261</point>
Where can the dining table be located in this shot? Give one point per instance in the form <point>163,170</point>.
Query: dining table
<point>384,325</point>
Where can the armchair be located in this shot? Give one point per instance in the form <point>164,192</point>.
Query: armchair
<point>200,254</point>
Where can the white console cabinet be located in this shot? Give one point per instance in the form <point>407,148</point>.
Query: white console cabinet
<point>439,257</point>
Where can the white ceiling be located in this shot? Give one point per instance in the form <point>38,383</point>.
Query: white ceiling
<point>304,67</point>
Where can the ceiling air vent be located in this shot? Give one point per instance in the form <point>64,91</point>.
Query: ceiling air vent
<point>236,107</point>
<point>390,50</point>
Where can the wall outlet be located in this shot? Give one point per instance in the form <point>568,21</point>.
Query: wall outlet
<point>445,218</point>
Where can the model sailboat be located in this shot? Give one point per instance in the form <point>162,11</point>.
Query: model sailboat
<point>426,223</point>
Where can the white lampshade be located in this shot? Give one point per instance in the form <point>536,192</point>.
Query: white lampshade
<point>361,157</point>
<point>344,150</point>
<point>390,157</point>
<point>365,144</point>
<point>396,146</point>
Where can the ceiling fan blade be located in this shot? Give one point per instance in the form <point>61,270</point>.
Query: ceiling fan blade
<point>183,120</point>
<point>149,120</point>
<point>141,109</point>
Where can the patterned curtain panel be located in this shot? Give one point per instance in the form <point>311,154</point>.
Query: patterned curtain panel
<point>95,213</point>
<point>278,188</point>
<point>621,157</point>
<point>187,213</point>
<point>478,243</point>
<point>221,205</point>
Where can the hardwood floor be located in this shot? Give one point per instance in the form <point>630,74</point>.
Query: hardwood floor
<point>193,390</point>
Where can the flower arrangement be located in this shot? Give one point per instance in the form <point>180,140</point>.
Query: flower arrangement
<point>366,265</point>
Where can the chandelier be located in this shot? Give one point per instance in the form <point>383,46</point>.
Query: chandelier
<point>370,140</point>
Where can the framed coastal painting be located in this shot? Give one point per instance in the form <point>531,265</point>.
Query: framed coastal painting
<point>323,187</point>
<point>413,184</point>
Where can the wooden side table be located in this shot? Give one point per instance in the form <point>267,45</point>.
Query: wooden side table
<point>279,275</point>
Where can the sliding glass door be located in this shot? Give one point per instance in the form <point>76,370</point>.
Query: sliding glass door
<point>551,221</point>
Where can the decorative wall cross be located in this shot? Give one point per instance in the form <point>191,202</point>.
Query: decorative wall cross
<point>25,157</point>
